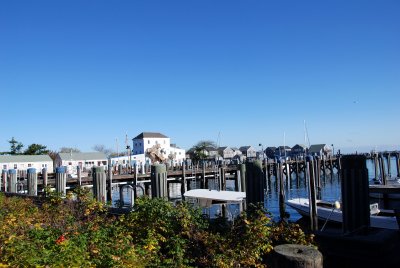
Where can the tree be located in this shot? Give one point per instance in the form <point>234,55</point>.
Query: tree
<point>15,146</point>
<point>69,150</point>
<point>36,149</point>
<point>200,149</point>
<point>102,149</point>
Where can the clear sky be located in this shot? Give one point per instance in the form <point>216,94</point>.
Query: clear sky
<point>80,73</point>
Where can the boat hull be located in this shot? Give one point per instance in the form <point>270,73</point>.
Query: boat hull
<point>301,205</point>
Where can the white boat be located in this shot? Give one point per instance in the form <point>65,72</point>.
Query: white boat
<point>208,197</point>
<point>328,210</point>
<point>205,199</point>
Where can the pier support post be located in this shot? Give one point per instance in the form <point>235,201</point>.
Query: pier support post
<point>242,182</point>
<point>382,168</point>
<point>79,175</point>
<point>255,183</point>
<point>110,178</point>
<point>279,175</point>
<point>389,166</point>
<point>12,180</point>
<point>398,164</point>
<point>355,193</point>
<point>32,181</point>
<point>159,188</point>
<point>376,167</point>
<point>183,181</point>
<point>296,256</point>
<point>99,184</point>
<point>223,179</point>
<point>61,180</point>
<point>4,180</point>
<point>309,174</point>
<point>44,177</point>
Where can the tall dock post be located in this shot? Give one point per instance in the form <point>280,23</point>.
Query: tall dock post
<point>79,175</point>
<point>183,181</point>
<point>397,164</point>
<point>158,176</point>
<point>279,175</point>
<point>222,176</point>
<point>12,180</point>
<point>32,181</point>
<point>389,165</point>
<point>61,180</point>
<point>309,174</point>
<point>255,183</point>
<point>382,168</point>
<point>355,193</point>
<point>242,182</point>
<point>376,167</point>
<point>110,178</point>
<point>99,184</point>
<point>4,180</point>
<point>44,177</point>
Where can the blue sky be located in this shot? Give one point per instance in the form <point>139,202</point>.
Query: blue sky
<point>80,73</point>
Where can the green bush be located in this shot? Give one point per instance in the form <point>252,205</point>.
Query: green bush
<point>79,232</point>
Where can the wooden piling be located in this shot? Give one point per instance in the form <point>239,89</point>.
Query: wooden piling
<point>44,177</point>
<point>355,193</point>
<point>61,180</point>
<point>4,180</point>
<point>223,178</point>
<point>389,172</point>
<point>376,167</point>
<point>296,256</point>
<point>382,169</point>
<point>183,181</point>
<point>79,175</point>
<point>109,180</point>
<point>242,169</point>
<point>32,181</point>
<point>99,184</point>
<point>309,174</point>
<point>282,207</point>
<point>159,187</point>
<point>397,155</point>
<point>254,183</point>
<point>12,181</point>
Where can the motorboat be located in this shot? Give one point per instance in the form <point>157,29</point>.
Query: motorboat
<point>330,211</point>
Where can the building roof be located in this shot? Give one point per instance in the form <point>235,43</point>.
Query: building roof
<point>82,156</point>
<point>300,145</point>
<point>316,148</point>
<point>24,158</point>
<point>147,135</point>
<point>244,148</point>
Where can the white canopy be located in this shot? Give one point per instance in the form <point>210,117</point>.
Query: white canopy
<point>206,196</point>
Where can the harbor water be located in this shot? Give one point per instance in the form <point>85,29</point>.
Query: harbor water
<point>294,188</point>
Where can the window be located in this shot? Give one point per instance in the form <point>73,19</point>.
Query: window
<point>148,141</point>
<point>4,166</point>
<point>15,166</point>
<point>29,165</point>
<point>70,163</point>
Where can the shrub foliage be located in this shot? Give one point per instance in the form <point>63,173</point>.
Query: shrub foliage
<point>78,231</point>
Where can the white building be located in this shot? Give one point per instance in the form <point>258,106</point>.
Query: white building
<point>23,162</point>
<point>137,159</point>
<point>84,160</point>
<point>147,140</point>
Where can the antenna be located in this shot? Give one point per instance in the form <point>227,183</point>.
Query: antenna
<point>284,143</point>
<point>219,138</point>
<point>306,138</point>
<point>116,143</point>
